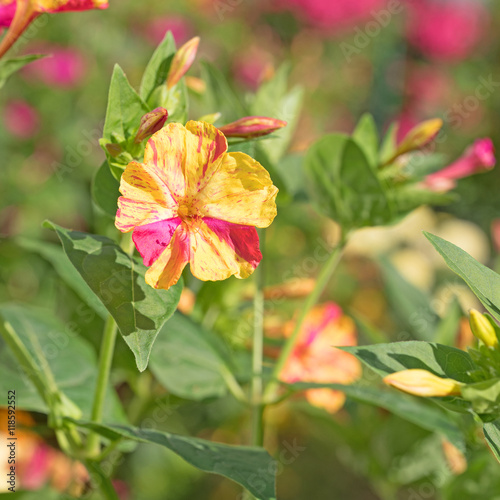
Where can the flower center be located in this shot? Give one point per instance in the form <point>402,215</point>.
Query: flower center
<point>186,211</point>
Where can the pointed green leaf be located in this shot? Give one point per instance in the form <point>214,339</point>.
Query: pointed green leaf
<point>441,360</point>
<point>158,66</point>
<point>366,136</point>
<point>118,281</point>
<point>484,282</point>
<point>249,466</point>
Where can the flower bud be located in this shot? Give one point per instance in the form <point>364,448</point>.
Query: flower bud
<point>482,328</point>
<point>197,85</point>
<point>417,138</point>
<point>252,126</point>
<point>182,61</point>
<point>478,157</point>
<point>150,123</point>
<point>423,383</point>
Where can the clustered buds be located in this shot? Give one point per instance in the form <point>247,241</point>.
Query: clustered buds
<point>483,329</point>
<point>252,126</point>
<point>423,383</point>
<point>182,61</point>
<point>150,123</point>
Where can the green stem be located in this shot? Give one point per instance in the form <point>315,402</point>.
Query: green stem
<point>25,359</point>
<point>105,360</point>
<point>257,362</point>
<point>321,283</point>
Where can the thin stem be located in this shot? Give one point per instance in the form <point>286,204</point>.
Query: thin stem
<point>258,354</point>
<point>321,283</point>
<point>105,360</point>
<point>25,359</point>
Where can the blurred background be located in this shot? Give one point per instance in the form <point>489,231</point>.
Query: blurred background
<point>401,60</point>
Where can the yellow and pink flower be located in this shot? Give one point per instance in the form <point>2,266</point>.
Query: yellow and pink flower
<point>315,358</point>
<point>191,201</point>
<point>18,14</point>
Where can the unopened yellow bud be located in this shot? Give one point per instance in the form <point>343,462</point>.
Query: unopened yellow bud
<point>482,328</point>
<point>417,137</point>
<point>423,383</point>
<point>182,61</point>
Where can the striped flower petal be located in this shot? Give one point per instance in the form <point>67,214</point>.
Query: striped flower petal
<point>220,249</point>
<point>241,192</point>
<point>145,199</point>
<point>167,269</point>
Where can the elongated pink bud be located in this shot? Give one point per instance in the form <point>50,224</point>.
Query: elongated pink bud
<point>478,157</point>
<point>150,123</point>
<point>423,383</point>
<point>182,61</point>
<point>252,126</point>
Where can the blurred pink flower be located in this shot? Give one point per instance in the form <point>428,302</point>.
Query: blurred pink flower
<point>252,67</point>
<point>315,358</point>
<point>21,119</point>
<point>63,67</point>
<point>477,158</point>
<point>448,29</point>
<point>180,27</point>
<point>328,14</point>
<point>7,12</point>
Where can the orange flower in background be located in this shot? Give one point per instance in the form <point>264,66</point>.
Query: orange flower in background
<point>18,14</point>
<point>315,358</point>
<point>193,202</point>
<point>37,463</point>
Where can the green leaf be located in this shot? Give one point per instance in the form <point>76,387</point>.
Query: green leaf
<point>250,467</point>
<point>118,281</point>
<point>10,66</point>
<point>123,116</point>
<point>441,360</point>
<point>219,96</point>
<point>65,269</point>
<point>411,304</point>
<point>411,409</point>
<point>389,143</point>
<point>343,184</point>
<point>484,282</point>
<point>484,396</point>
<point>158,66</point>
<point>491,432</point>
<point>71,360</point>
<point>407,198</point>
<point>105,190</point>
<point>189,361</point>
<point>366,136</point>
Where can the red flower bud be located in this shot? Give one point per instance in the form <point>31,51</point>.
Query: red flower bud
<point>150,123</point>
<point>252,126</point>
